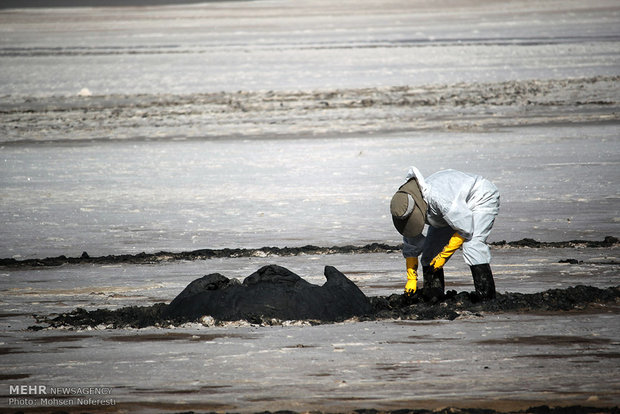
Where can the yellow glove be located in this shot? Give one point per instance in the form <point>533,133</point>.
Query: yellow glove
<point>453,245</point>
<point>412,276</point>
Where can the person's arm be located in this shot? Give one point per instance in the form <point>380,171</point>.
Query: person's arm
<point>456,241</point>
<point>412,248</point>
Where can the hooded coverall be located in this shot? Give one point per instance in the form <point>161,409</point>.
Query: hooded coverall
<point>457,202</point>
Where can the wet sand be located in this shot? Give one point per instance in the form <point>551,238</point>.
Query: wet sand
<point>345,366</point>
<point>457,355</point>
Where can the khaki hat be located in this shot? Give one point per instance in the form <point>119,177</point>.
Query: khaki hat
<point>409,209</point>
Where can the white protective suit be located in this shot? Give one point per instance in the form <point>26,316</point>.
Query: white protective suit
<point>457,202</point>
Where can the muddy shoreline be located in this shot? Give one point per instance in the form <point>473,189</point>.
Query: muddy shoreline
<point>395,306</point>
<point>539,409</point>
<point>276,113</point>
<point>203,254</point>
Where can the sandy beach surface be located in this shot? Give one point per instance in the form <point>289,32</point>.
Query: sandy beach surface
<point>247,124</point>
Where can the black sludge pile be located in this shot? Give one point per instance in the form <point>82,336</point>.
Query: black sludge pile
<point>271,292</point>
<point>274,294</point>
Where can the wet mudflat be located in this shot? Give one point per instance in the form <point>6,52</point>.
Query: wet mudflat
<point>199,133</point>
<point>507,360</point>
<point>274,295</point>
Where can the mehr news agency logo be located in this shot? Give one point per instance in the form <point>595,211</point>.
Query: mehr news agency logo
<point>45,396</point>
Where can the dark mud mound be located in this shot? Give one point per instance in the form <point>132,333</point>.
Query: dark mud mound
<point>130,316</point>
<point>274,294</point>
<point>456,304</point>
<point>271,292</point>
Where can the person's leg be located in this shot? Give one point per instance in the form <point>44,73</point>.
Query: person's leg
<point>434,283</point>
<point>436,239</point>
<point>476,252</point>
<point>483,281</point>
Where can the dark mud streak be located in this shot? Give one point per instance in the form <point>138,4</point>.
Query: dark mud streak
<point>58,338</point>
<point>580,355</point>
<point>204,254</point>
<point>542,409</point>
<point>10,377</point>
<point>13,315</point>
<point>553,340</point>
<point>174,336</point>
<point>6,350</point>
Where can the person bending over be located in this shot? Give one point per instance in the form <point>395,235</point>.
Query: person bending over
<point>460,209</point>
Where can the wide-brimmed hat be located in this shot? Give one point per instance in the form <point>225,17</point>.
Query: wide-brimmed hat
<point>408,209</point>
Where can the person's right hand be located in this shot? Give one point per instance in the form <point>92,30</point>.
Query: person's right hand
<point>412,275</point>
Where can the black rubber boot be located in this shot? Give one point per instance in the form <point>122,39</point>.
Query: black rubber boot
<point>483,281</point>
<point>433,288</point>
